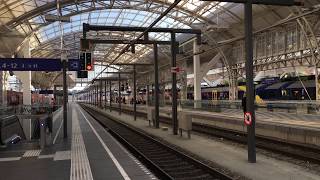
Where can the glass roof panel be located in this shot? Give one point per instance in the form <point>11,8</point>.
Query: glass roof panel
<point>109,17</point>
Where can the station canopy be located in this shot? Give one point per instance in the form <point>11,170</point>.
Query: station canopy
<point>24,21</point>
<point>28,18</point>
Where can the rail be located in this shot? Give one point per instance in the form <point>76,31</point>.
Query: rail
<point>166,162</point>
<point>303,152</point>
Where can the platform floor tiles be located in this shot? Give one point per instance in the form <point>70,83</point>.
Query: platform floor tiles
<point>89,152</point>
<point>231,157</point>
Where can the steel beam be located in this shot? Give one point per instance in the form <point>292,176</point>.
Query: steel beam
<point>108,41</point>
<point>88,27</point>
<point>118,73</point>
<point>133,64</point>
<point>265,2</point>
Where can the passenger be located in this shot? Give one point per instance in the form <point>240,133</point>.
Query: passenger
<point>244,104</point>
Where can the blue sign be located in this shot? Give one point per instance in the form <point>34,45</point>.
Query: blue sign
<point>73,65</point>
<point>36,64</point>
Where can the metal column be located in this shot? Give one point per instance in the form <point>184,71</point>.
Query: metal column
<point>110,94</point>
<point>134,93</point>
<point>93,95</point>
<point>91,99</point>
<point>156,85</point>
<point>65,99</point>
<point>54,94</point>
<point>250,95</point>
<point>100,98</point>
<point>105,94</point>
<point>174,84</point>
<point>97,95</point>
<point>147,93</point>
<point>316,75</point>
<point>119,94</point>
<point>196,75</point>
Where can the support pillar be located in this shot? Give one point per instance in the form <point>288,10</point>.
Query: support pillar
<point>97,95</point>
<point>147,93</point>
<point>1,88</point>
<point>196,76</point>
<point>134,93</point>
<point>105,94</point>
<point>110,95</point>
<point>250,94</point>
<point>174,84</point>
<point>156,85</point>
<point>65,98</point>
<point>25,78</point>
<point>317,83</point>
<point>233,91</point>
<point>100,95</point>
<point>119,94</point>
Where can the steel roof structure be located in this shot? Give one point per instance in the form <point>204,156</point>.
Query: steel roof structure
<point>221,23</point>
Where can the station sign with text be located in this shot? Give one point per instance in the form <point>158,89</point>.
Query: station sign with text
<point>36,64</point>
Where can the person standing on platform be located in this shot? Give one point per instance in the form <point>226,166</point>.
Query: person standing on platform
<point>244,104</point>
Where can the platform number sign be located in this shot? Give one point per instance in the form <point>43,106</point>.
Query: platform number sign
<point>247,118</point>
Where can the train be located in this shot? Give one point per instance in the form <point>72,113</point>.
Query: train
<point>267,89</point>
<point>14,98</point>
<point>276,90</point>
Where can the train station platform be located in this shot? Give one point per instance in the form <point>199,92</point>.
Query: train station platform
<point>290,127</point>
<point>89,152</point>
<point>229,156</point>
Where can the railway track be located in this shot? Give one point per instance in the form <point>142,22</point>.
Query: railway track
<point>297,151</point>
<point>165,162</point>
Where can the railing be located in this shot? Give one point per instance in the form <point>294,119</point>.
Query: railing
<point>35,120</point>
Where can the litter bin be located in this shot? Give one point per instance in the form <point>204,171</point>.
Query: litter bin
<point>184,123</point>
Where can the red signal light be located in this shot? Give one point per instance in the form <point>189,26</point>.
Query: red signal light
<point>89,67</point>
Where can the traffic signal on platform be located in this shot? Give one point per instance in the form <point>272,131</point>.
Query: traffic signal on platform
<point>82,58</point>
<point>86,61</point>
<point>89,62</point>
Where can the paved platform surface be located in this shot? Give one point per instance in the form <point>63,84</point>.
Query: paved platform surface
<point>89,152</point>
<point>28,161</point>
<point>231,157</point>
